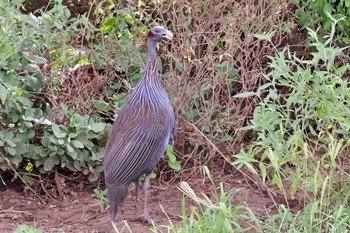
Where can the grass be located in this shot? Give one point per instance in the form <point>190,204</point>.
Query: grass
<point>322,213</point>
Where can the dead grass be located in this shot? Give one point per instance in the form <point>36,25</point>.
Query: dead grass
<point>213,57</point>
<point>207,34</point>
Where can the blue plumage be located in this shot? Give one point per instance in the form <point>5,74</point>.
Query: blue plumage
<point>140,133</point>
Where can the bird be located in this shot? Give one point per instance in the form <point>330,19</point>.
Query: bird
<point>140,133</point>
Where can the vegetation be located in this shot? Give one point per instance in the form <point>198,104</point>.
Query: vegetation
<point>316,14</point>
<point>270,76</point>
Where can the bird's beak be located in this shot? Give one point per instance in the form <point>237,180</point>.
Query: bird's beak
<point>168,35</point>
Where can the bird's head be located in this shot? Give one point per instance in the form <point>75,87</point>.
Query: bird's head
<point>159,33</point>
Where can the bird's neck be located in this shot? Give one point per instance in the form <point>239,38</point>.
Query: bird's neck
<point>152,49</point>
<point>150,78</point>
<point>151,68</point>
<point>149,88</point>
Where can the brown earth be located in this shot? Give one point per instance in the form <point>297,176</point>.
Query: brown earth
<point>80,212</point>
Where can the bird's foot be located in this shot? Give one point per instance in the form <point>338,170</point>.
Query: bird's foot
<point>144,218</point>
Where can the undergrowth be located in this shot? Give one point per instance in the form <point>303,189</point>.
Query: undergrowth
<point>237,72</point>
<point>302,146</point>
<point>308,123</point>
<point>33,134</point>
<point>314,14</point>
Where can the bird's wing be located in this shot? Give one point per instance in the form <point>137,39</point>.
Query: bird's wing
<point>134,152</point>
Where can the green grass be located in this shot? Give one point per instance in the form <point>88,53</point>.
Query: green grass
<point>328,211</point>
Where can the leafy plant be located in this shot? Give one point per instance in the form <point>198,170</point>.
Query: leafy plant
<point>42,126</point>
<point>23,228</point>
<point>74,146</point>
<point>317,14</point>
<point>27,134</point>
<point>327,210</point>
<point>172,162</point>
<point>323,212</point>
<point>213,216</point>
<point>308,122</point>
<point>101,197</point>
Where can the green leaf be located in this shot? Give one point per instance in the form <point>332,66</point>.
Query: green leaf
<point>263,171</point>
<point>56,130</point>
<point>250,167</point>
<point>17,2</point>
<point>29,167</point>
<point>244,94</point>
<point>227,138</point>
<point>248,127</point>
<point>176,165</point>
<point>277,181</point>
<point>77,165</point>
<point>263,87</point>
<point>327,8</point>
<point>303,17</point>
<point>61,151</point>
<point>53,140</point>
<point>73,154</point>
<point>129,19</point>
<point>97,127</point>
<point>173,163</point>
<point>40,60</point>
<point>92,177</point>
<point>60,141</point>
<point>267,36</point>
<point>153,175</point>
<point>107,25</point>
<point>35,83</point>
<point>72,135</point>
<point>170,153</point>
<point>78,144</point>
<point>69,148</point>
<point>102,106</point>
<point>49,163</point>
<point>11,151</point>
<point>10,143</point>
<point>30,182</point>
<point>3,93</point>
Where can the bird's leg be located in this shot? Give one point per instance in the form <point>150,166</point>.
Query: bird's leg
<point>146,206</point>
<point>145,217</point>
<point>138,196</point>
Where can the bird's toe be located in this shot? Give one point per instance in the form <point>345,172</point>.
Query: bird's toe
<point>145,218</point>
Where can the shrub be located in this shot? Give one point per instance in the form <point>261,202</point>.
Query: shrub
<point>314,14</point>
<point>54,108</point>
<point>304,115</point>
<point>27,134</point>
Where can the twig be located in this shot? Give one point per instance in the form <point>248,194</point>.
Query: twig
<point>15,212</point>
<point>24,182</point>
<point>39,180</point>
<point>59,184</point>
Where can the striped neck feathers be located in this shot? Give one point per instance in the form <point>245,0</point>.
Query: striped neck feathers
<point>149,87</point>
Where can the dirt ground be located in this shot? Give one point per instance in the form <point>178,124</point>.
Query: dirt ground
<point>80,212</point>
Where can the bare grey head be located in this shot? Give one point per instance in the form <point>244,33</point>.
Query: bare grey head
<point>156,35</point>
<point>159,33</point>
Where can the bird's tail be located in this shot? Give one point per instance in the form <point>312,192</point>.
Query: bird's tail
<point>117,195</point>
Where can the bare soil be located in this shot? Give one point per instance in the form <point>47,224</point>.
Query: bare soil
<point>80,211</point>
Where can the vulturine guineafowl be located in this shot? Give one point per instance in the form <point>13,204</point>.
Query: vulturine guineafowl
<point>140,133</point>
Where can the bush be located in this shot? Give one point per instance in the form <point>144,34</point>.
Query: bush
<point>54,108</point>
<point>303,116</point>
<point>28,137</point>
<point>315,14</point>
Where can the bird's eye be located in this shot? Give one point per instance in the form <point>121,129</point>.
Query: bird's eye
<point>156,30</point>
